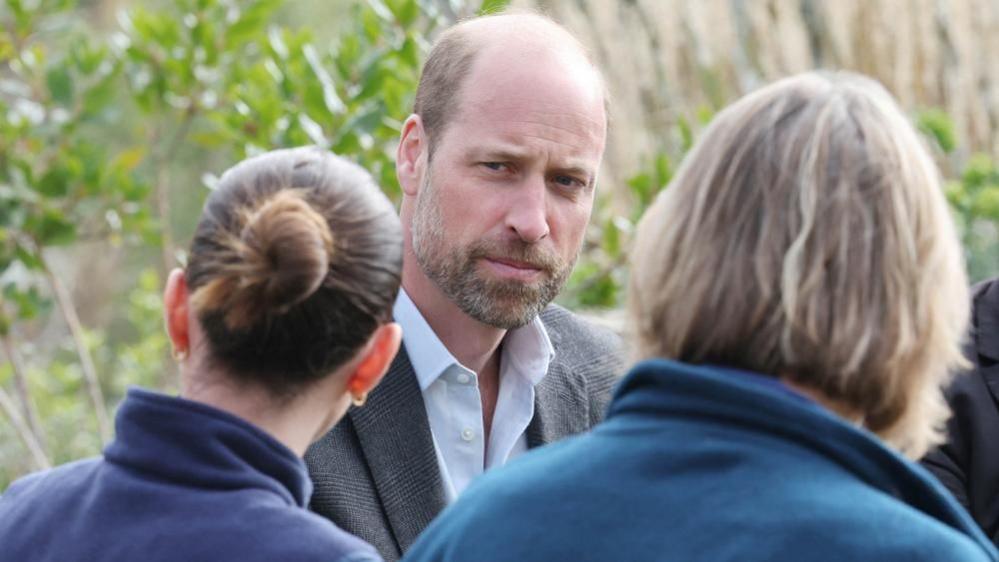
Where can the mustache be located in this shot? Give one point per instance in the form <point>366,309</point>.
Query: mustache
<point>519,251</point>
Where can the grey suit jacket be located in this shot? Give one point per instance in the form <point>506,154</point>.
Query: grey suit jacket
<point>375,473</point>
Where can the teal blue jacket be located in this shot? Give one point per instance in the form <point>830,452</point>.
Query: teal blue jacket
<point>700,463</point>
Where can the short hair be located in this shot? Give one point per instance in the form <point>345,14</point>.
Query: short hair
<point>807,236</point>
<point>295,262</point>
<point>451,59</point>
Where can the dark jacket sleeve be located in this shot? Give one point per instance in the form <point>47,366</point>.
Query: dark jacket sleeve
<point>968,463</point>
<point>950,462</point>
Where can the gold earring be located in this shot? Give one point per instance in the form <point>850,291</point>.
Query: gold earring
<point>179,355</point>
<point>359,399</point>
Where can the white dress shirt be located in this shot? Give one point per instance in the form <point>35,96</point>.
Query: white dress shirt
<point>454,406</point>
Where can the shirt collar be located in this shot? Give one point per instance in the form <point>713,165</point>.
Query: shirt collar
<point>427,354</point>
<point>527,350</point>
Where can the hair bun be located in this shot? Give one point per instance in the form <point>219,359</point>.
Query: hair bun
<point>283,251</point>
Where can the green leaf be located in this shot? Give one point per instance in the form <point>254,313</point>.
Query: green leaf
<point>251,22</point>
<point>979,171</point>
<point>54,183</point>
<point>492,6</point>
<point>987,203</point>
<point>940,127</point>
<point>372,23</point>
<point>29,303</point>
<point>409,53</point>
<point>378,8</point>
<point>686,135</point>
<point>28,258</point>
<point>612,238</point>
<point>705,114</point>
<point>331,100</point>
<point>60,84</point>
<point>102,94</point>
<point>664,171</point>
<point>129,159</point>
<point>53,228</point>
<point>404,11</point>
<point>642,186</point>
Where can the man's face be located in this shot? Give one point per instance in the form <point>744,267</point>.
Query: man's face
<point>503,206</point>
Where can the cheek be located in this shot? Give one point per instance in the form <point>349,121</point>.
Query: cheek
<point>569,224</point>
<point>473,213</point>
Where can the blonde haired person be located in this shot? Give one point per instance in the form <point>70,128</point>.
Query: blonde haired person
<point>796,296</point>
<point>282,316</point>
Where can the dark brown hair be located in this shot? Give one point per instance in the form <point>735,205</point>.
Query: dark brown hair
<point>295,262</point>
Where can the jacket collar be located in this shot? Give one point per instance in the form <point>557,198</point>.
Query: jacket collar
<point>660,387</point>
<point>194,444</point>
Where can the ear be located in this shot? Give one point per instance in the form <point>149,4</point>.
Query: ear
<point>379,353</point>
<point>175,310</point>
<point>409,156</point>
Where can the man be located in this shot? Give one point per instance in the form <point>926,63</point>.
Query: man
<point>498,165</point>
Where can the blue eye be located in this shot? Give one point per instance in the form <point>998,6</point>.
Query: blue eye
<point>494,166</point>
<point>569,181</point>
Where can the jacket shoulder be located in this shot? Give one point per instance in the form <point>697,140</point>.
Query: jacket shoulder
<point>593,353</point>
<point>581,341</point>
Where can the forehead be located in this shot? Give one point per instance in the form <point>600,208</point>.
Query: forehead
<point>533,97</point>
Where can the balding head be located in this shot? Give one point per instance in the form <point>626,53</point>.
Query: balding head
<point>508,36</point>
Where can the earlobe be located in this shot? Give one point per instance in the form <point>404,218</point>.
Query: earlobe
<point>409,155</point>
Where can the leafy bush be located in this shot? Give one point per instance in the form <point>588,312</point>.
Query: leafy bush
<point>109,140</point>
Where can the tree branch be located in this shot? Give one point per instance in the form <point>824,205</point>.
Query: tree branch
<point>21,390</point>
<point>23,431</point>
<point>65,303</point>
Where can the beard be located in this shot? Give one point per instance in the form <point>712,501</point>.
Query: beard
<point>501,303</point>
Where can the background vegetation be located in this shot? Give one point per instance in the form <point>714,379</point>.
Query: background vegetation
<point>111,137</point>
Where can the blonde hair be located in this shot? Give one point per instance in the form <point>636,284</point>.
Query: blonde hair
<point>807,236</point>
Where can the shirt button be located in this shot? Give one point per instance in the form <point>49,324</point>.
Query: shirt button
<point>463,378</point>
<point>467,434</point>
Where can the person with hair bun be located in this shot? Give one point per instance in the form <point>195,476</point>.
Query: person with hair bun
<point>796,299</point>
<point>280,321</point>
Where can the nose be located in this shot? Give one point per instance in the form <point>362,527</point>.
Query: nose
<point>527,213</point>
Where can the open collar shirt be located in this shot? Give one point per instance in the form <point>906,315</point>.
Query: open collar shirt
<point>454,405</point>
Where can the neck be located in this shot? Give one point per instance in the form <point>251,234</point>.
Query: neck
<point>474,344</point>
<point>295,423</point>
<point>838,407</point>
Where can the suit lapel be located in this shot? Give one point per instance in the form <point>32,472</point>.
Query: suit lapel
<point>395,436</point>
<point>561,405</point>
<point>991,376</point>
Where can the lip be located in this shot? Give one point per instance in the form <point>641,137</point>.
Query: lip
<point>512,269</point>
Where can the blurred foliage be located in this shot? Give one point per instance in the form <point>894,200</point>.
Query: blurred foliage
<point>110,140</point>
<point>104,133</point>
<point>973,195</point>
